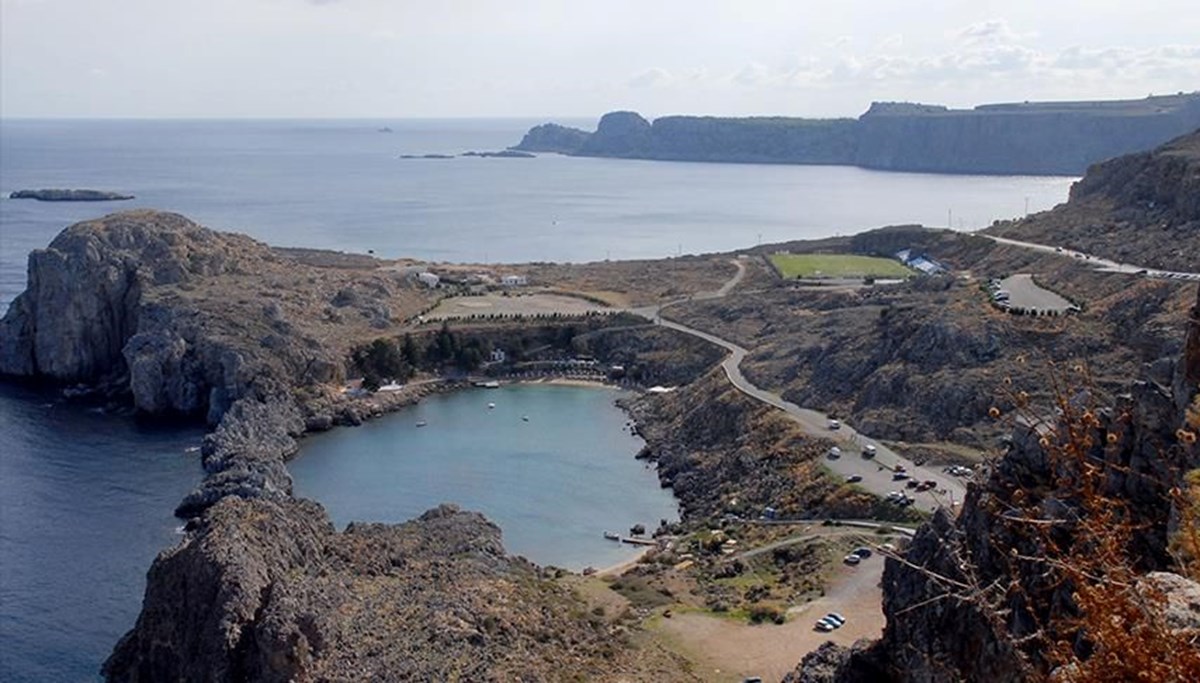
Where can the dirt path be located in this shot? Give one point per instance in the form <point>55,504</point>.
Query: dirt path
<point>728,650</point>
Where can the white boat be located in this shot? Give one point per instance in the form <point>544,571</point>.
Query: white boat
<point>611,536</point>
<point>491,406</point>
<point>422,423</point>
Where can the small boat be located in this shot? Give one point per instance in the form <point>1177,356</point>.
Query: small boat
<point>493,384</point>
<point>491,406</point>
<point>611,536</point>
<point>525,418</point>
<point>421,423</point>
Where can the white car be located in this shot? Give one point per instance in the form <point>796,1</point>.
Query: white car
<point>834,424</point>
<point>852,559</point>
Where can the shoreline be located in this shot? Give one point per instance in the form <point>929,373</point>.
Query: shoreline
<point>411,394</point>
<point>625,565</point>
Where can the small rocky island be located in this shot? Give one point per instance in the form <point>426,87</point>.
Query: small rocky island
<point>58,195</point>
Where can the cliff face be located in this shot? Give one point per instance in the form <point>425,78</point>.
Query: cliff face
<point>1141,208</point>
<point>1025,138</point>
<point>185,319</point>
<point>1033,139</point>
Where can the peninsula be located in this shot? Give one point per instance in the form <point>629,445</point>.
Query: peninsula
<point>1024,138</point>
<point>70,195</point>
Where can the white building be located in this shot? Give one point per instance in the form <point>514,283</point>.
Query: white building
<point>428,279</point>
<point>514,280</point>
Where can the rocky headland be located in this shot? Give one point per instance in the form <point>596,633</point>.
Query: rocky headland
<point>1141,208</point>
<point>70,195</point>
<point>1051,138</point>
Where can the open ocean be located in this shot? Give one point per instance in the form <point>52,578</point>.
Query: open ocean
<point>86,499</point>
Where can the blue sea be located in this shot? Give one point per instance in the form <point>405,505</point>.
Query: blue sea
<point>86,498</point>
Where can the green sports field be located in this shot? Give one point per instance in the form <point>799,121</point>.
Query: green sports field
<point>837,265</point>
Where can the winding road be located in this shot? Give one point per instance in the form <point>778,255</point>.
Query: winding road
<point>1100,263</point>
<point>877,473</point>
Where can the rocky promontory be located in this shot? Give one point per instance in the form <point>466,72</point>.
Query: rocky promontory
<point>70,195</point>
<point>269,591</point>
<point>1051,138</point>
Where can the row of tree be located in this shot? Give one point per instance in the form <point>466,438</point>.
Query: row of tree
<point>395,360</point>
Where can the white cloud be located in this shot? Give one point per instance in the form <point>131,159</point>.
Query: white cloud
<point>650,78</point>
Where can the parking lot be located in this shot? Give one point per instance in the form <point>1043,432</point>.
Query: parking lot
<point>1019,293</point>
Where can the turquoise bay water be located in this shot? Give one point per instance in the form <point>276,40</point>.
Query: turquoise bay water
<point>553,483</point>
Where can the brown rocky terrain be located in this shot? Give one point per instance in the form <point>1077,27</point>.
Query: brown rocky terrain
<point>283,597</point>
<point>1141,209</point>
<point>189,320</point>
<point>1065,563</point>
<point>923,361</point>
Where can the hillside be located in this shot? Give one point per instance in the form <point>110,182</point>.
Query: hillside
<point>1040,138</point>
<point>1142,208</point>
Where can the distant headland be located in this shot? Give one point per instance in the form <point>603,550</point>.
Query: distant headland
<point>70,195</point>
<point>1025,138</point>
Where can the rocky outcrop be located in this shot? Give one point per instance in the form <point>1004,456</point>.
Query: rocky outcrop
<point>978,597</point>
<point>70,195</point>
<point>1022,138</point>
<point>1141,208</point>
<point>268,591</point>
<point>84,297</point>
<point>551,137</point>
<point>187,320</point>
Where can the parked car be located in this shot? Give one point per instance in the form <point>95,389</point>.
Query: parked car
<point>853,478</point>
<point>852,559</point>
<point>863,552</point>
<point>868,451</point>
<point>835,453</point>
<point>899,476</point>
<point>912,484</point>
<point>834,424</point>
<point>898,468</point>
<point>836,617</point>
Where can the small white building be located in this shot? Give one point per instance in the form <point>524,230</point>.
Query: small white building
<point>514,280</point>
<point>498,356</point>
<point>428,279</point>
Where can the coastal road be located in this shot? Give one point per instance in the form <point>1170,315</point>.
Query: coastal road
<point>1100,263</point>
<point>877,473</point>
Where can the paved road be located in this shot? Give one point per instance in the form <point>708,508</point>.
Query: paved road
<point>877,473</point>
<point>1099,263</point>
<point>1025,293</point>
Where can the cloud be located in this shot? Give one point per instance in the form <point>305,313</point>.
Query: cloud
<point>650,78</point>
<point>753,74</point>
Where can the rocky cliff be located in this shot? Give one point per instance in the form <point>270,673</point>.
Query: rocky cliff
<point>1020,138</point>
<point>268,591</point>
<point>1142,208</point>
<point>1071,527</point>
<point>185,319</point>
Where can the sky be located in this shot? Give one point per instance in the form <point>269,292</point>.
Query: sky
<point>578,58</point>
